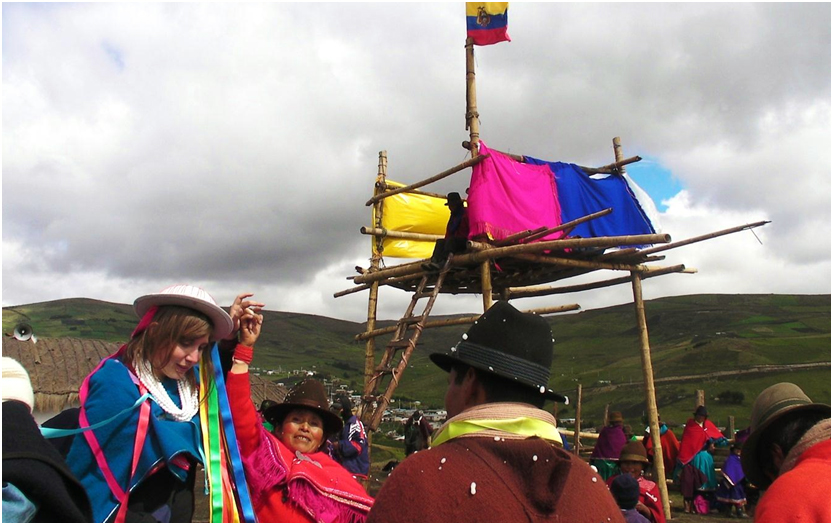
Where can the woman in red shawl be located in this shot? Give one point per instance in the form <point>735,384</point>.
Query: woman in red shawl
<point>694,462</point>
<point>670,446</point>
<point>290,478</point>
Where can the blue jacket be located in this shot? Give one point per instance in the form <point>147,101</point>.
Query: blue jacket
<point>353,447</point>
<point>111,390</point>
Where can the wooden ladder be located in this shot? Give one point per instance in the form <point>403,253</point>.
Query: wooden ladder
<point>373,404</point>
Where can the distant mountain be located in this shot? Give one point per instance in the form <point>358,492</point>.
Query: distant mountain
<point>732,344</point>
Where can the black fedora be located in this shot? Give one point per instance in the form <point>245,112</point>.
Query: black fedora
<point>509,344</point>
<point>453,197</point>
<point>309,394</point>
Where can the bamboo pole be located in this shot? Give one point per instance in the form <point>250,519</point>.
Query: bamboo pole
<point>700,396</point>
<point>577,432</point>
<point>650,393</point>
<point>373,297</point>
<point>731,428</point>
<point>486,285</point>
<point>647,370</point>
<point>451,171</point>
<point>515,237</point>
<point>569,225</point>
<point>472,117</point>
<point>505,251</point>
<point>606,169</point>
<point>466,320</point>
<point>578,263</point>
<point>607,414</point>
<point>418,192</point>
<point>538,291</point>
<point>704,237</point>
<point>395,234</point>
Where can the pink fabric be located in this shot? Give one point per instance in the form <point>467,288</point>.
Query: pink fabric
<point>507,197</point>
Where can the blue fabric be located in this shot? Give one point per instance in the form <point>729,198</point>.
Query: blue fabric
<point>17,508</point>
<point>704,462</point>
<point>353,446</point>
<point>580,195</point>
<point>111,390</point>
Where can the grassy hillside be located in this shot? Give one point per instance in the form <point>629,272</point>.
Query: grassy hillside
<point>690,335</point>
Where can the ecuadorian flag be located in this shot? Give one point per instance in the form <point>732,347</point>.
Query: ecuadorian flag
<point>486,22</point>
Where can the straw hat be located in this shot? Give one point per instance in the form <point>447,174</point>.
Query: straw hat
<point>192,297</point>
<point>770,407</point>
<point>309,394</point>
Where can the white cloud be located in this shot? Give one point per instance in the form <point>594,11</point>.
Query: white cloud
<point>234,145</point>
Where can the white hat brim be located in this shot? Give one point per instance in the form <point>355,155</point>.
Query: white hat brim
<point>220,319</point>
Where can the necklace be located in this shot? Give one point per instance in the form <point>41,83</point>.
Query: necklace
<point>187,394</point>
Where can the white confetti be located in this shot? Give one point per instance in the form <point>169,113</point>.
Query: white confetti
<point>534,458</point>
<point>594,479</point>
<point>441,468</point>
<point>491,369</point>
<point>543,389</point>
<point>465,336</point>
<point>473,488</point>
<point>442,460</point>
<point>497,438</point>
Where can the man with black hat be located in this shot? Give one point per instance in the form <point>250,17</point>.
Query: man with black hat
<point>456,233</point>
<point>498,457</point>
<point>788,454</point>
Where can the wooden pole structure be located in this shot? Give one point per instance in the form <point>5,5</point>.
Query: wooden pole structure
<point>650,393</point>
<point>607,414</point>
<point>537,291</point>
<point>576,435</point>
<point>701,398</point>
<point>394,234</point>
<point>647,370</point>
<point>450,171</point>
<point>472,117</point>
<point>607,169</point>
<point>730,428</point>
<point>373,298</point>
<point>486,284</point>
<point>507,251</point>
<point>467,320</point>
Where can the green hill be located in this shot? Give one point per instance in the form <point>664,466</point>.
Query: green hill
<point>717,343</point>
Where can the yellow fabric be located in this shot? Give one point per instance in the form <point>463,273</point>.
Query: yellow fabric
<point>414,213</point>
<point>522,426</point>
<point>492,8</point>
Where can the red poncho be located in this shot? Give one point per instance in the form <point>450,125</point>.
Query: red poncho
<point>695,438</point>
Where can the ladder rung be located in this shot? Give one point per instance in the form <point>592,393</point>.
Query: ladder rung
<point>423,295</point>
<point>400,343</point>
<point>414,319</point>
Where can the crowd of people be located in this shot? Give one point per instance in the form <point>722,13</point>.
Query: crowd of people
<point>140,435</point>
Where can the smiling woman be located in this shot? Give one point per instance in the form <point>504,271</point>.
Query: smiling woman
<point>291,478</point>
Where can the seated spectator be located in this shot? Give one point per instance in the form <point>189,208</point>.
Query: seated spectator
<point>456,233</point>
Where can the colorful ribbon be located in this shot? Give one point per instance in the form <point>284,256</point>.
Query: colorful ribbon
<point>229,499</point>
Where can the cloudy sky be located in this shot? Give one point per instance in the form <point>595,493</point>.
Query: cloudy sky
<point>234,145</point>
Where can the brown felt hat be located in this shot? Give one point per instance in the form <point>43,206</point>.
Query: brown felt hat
<point>309,394</point>
<point>615,417</point>
<point>634,451</point>
<point>770,407</point>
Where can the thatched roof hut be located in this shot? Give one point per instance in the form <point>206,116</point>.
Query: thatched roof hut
<point>57,366</point>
